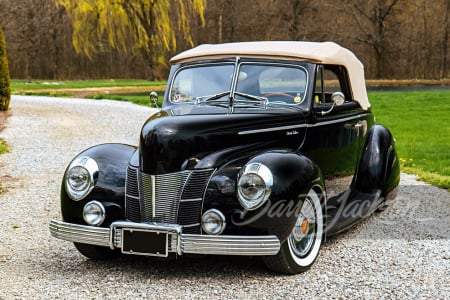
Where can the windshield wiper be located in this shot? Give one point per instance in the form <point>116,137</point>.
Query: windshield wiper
<point>210,98</point>
<point>251,97</point>
<point>251,101</point>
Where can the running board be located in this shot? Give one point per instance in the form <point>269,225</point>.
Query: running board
<point>348,208</point>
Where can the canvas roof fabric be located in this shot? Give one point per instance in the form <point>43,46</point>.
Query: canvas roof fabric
<point>315,52</point>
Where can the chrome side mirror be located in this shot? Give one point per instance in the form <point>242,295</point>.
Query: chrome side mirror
<point>154,99</point>
<point>338,98</point>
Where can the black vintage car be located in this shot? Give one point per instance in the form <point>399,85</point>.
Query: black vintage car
<point>242,159</point>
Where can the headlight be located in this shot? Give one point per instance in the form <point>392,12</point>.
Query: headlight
<point>94,213</point>
<point>254,185</point>
<point>80,177</point>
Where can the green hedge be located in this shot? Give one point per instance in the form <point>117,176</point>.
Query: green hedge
<point>5,81</point>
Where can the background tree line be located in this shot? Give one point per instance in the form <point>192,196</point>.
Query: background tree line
<point>395,39</point>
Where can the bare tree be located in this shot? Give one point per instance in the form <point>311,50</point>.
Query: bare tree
<point>444,65</point>
<point>372,21</point>
<point>393,38</point>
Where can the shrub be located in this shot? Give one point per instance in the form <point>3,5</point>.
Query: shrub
<point>5,89</point>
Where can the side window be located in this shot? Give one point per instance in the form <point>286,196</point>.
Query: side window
<point>330,79</point>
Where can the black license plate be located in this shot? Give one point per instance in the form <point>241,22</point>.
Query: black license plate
<point>142,242</point>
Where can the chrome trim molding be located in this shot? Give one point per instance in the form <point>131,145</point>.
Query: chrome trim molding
<point>273,129</point>
<point>178,242</point>
<point>302,125</point>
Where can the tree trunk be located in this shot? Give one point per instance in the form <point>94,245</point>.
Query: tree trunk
<point>444,71</point>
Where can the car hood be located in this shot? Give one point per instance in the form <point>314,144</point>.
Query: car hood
<point>173,143</point>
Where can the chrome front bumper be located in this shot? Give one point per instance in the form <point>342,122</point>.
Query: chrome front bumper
<point>177,242</point>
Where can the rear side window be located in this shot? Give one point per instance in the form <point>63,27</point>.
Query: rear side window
<point>331,79</point>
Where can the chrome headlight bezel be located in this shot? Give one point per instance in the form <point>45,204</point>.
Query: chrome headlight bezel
<point>94,213</point>
<point>82,164</point>
<point>216,218</point>
<point>254,172</point>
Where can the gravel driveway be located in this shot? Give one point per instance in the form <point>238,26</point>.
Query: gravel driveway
<point>403,252</point>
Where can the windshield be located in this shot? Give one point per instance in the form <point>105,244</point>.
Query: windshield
<point>194,82</point>
<point>244,85</point>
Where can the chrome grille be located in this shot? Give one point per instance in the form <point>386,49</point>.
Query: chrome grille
<point>195,187</point>
<point>161,195</point>
<point>174,198</point>
<point>189,214</point>
<point>132,205</point>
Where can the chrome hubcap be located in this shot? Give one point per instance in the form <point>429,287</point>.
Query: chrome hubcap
<point>304,233</point>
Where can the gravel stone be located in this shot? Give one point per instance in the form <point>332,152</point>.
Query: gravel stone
<point>403,252</point>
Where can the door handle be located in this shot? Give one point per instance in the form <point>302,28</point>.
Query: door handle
<point>359,127</point>
<point>353,125</point>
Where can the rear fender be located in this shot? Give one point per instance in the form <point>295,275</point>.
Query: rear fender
<point>379,167</point>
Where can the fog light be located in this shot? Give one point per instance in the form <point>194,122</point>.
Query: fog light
<point>213,222</point>
<point>94,213</point>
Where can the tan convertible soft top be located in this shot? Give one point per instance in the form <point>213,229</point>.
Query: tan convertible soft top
<point>323,53</point>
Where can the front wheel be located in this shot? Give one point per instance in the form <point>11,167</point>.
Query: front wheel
<point>301,248</point>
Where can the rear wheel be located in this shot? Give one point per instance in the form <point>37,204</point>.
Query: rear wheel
<point>97,252</point>
<point>300,250</point>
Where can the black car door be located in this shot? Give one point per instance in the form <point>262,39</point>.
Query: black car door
<point>334,135</point>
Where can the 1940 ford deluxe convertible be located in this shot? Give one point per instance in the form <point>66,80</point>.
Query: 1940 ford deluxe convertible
<point>239,160</point>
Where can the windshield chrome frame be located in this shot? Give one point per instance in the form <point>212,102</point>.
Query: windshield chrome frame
<point>237,66</point>
<point>285,64</point>
<point>191,66</point>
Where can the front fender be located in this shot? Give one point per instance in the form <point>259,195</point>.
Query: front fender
<point>112,160</point>
<point>293,176</point>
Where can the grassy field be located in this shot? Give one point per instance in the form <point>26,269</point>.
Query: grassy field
<point>20,84</point>
<point>141,100</point>
<point>420,123</point>
<point>3,146</point>
<point>418,120</point>
<point>113,89</point>
<point>3,149</point>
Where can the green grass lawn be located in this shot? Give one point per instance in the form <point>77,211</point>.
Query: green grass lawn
<point>20,84</point>
<point>3,146</point>
<point>3,149</point>
<point>141,100</point>
<point>419,122</point>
